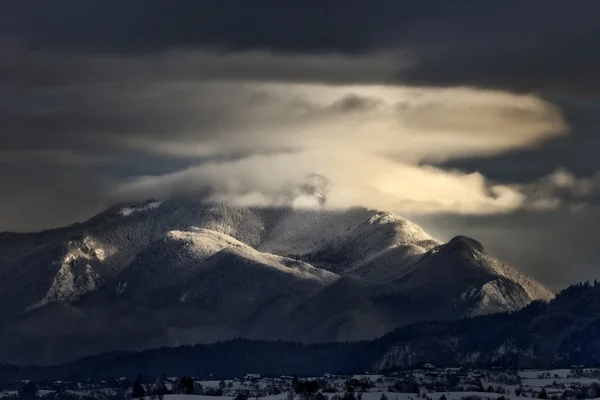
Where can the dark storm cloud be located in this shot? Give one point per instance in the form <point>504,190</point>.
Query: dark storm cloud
<point>152,25</point>
<point>550,45</point>
<point>532,46</point>
<point>29,67</point>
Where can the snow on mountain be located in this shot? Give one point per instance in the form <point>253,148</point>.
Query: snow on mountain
<point>168,259</point>
<point>496,296</point>
<point>190,264</point>
<point>463,276</point>
<point>341,240</point>
<point>406,282</point>
<point>61,269</point>
<point>76,275</point>
<point>126,211</point>
<point>257,288</point>
<point>390,264</point>
<point>181,271</point>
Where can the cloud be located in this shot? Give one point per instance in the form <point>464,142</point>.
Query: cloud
<point>522,47</point>
<point>414,124</point>
<point>519,47</point>
<point>575,153</point>
<point>357,179</point>
<point>372,142</point>
<point>250,140</point>
<point>562,190</point>
<point>23,65</point>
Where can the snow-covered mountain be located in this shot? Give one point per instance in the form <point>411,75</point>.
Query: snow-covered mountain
<point>174,272</point>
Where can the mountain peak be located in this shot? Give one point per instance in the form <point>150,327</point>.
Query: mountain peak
<point>461,242</point>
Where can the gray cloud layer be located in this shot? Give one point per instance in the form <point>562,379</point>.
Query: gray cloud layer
<point>482,114</point>
<point>536,45</point>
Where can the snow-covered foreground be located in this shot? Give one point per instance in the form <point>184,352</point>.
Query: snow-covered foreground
<point>281,396</point>
<point>427,384</point>
<point>365,396</point>
<point>453,383</point>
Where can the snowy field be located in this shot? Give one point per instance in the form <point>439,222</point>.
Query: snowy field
<point>428,384</point>
<point>433,384</point>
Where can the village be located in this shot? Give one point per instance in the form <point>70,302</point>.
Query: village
<point>427,383</point>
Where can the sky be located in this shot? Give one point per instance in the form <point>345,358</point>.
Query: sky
<point>468,117</point>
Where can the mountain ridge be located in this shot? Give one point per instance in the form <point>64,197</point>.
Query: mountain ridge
<point>275,274</point>
<point>555,334</point>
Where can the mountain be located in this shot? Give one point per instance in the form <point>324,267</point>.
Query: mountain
<point>562,333</point>
<point>555,334</point>
<point>177,272</point>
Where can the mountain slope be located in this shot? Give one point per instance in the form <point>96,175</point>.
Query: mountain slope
<point>562,333</point>
<point>182,272</point>
<point>558,334</point>
<point>449,281</point>
<point>340,240</point>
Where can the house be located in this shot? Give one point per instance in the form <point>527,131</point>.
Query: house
<point>198,387</point>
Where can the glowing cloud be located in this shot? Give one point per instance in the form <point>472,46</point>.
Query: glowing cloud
<point>372,142</point>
